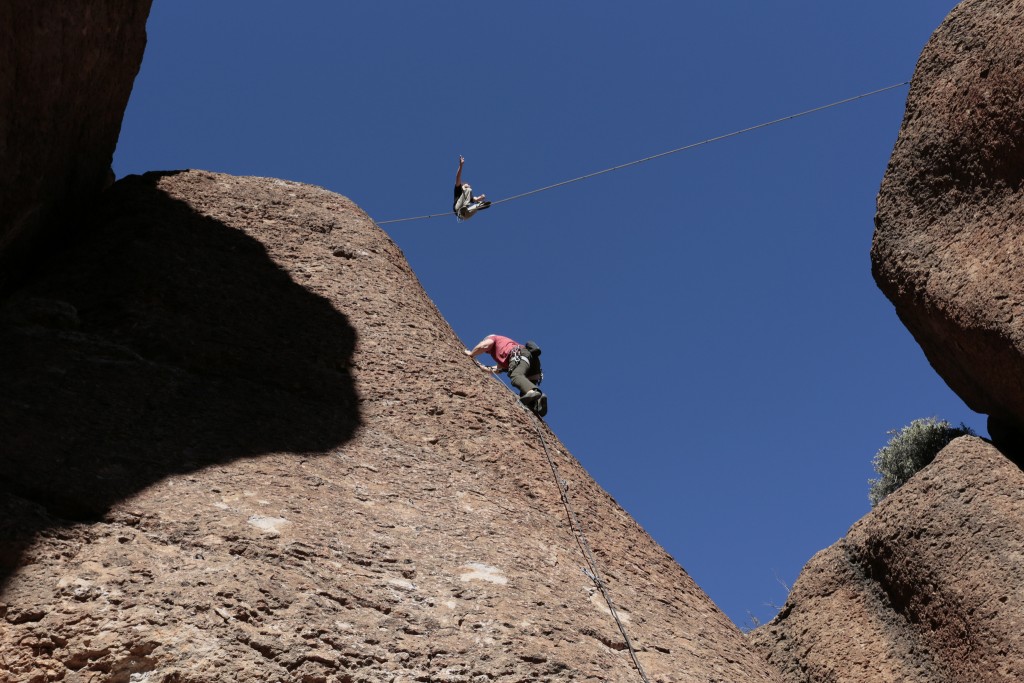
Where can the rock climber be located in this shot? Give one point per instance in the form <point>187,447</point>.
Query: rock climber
<point>521,362</point>
<point>466,205</point>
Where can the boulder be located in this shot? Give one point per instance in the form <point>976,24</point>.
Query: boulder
<point>66,71</point>
<point>948,248</point>
<point>925,588</point>
<point>239,442</point>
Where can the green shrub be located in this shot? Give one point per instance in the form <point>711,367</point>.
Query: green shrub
<point>909,450</point>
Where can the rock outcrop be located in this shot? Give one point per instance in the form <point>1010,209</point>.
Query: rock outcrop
<point>948,248</point>
<point>66,71</point>
<point>238,442</point>
<point>925,588</point>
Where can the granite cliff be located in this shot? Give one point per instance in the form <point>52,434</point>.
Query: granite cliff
<point>241,443</point>
<point>926,587</point>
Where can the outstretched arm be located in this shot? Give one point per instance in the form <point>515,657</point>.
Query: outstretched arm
<point>458,176</point>
<point>485,345</point>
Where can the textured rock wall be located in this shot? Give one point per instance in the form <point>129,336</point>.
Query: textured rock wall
<point>925,588</point>
<point>66,71</point>
<point>949,239</point>
<point>240,443</point>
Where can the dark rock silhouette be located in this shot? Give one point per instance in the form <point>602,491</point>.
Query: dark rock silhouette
<point>66,71</point>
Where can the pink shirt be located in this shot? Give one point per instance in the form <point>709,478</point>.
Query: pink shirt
<point>502,349</point>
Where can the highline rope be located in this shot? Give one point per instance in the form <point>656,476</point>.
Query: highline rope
<point>665,154</point>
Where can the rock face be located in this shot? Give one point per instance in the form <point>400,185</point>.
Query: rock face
<point>949,240</point>
<point>66,71</point>
<point>240,443</point>
<point>925,588</point>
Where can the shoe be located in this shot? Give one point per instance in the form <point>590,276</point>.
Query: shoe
<point>530,397</point>
<point>484,205</point>
<point>542,406</point>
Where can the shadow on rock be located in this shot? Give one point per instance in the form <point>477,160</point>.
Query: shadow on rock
<point>1007,436</point>
<point>162,343</point>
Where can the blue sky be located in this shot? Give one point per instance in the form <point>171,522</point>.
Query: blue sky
<point>716,352</point>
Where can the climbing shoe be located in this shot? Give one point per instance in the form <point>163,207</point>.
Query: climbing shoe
<point>541,407</point>
<point>530,397</point>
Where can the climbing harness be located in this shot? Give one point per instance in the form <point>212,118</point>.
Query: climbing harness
<point>515,358</point>
<point>593,573</point>
<point>665,154</point>
<point>467,212</point>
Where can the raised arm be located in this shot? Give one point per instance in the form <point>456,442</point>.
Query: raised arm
<point>458,176</point>
<point>485,345</point>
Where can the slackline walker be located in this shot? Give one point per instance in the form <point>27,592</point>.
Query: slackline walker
<point>664,154</point>
<point>576,527</point>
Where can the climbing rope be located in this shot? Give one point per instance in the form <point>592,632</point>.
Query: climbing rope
<point>665,154</point>
<point>581,539</point>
